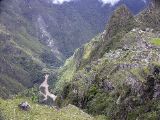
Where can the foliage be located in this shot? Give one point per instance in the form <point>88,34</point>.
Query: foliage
<point>114,75</point>
<point>156,41</point>
<point>50,59</point>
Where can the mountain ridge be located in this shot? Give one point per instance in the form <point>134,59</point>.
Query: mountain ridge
<point>43,35</point>
<point>122,81</point>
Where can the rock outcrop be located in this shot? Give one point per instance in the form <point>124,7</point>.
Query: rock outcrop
<point>24,106</point>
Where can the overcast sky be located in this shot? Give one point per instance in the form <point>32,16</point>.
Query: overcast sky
<point>112,2</point>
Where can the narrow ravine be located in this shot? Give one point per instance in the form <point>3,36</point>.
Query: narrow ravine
<point>46,92</point>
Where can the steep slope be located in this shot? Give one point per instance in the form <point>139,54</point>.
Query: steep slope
<point>20,66</point>
<point>21,19</point>
<point>150,18</point>
<point>62,27</point>
<point>117,73</point>
<point>21,61</point>
<point>100,44</point>
<point>37,34</point>
<point>135,5</point>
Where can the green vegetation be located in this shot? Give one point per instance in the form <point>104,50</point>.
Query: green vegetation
<point>114,76</point>
<point>21,66</point>
<point>9,110</point>
<point>155,41</point>
<point>50,59</point>
<point>117,74</point>
<point>66,74</point>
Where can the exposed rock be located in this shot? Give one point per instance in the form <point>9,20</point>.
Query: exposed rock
<point>24,106</point>
<point>135,84</point>
<point>107,85</point>
<point>156,92</point>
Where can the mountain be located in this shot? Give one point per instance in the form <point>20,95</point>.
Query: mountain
<point>117,73</point>
<point>37,35</point>
<point>114,76</point>
<point>62,27</point>
<point>135,5</point>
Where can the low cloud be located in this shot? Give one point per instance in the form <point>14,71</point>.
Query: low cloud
<point>112,2</point>
<point>60,1</point>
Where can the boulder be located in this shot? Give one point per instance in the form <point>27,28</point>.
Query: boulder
<point>24,106</point>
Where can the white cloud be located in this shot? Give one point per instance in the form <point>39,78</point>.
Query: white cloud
<point>112,2</point>
<point>60,1</point>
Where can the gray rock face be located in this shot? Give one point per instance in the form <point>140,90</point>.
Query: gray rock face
<point>157,91</point>
<point>136,85</point>
<point>24,106</point>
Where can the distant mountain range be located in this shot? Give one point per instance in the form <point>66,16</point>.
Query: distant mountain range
<point>68,25</point>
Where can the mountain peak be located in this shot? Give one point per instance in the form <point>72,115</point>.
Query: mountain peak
<point>122,18</point>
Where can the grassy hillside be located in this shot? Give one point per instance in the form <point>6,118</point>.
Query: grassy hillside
<point>9,110</point>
